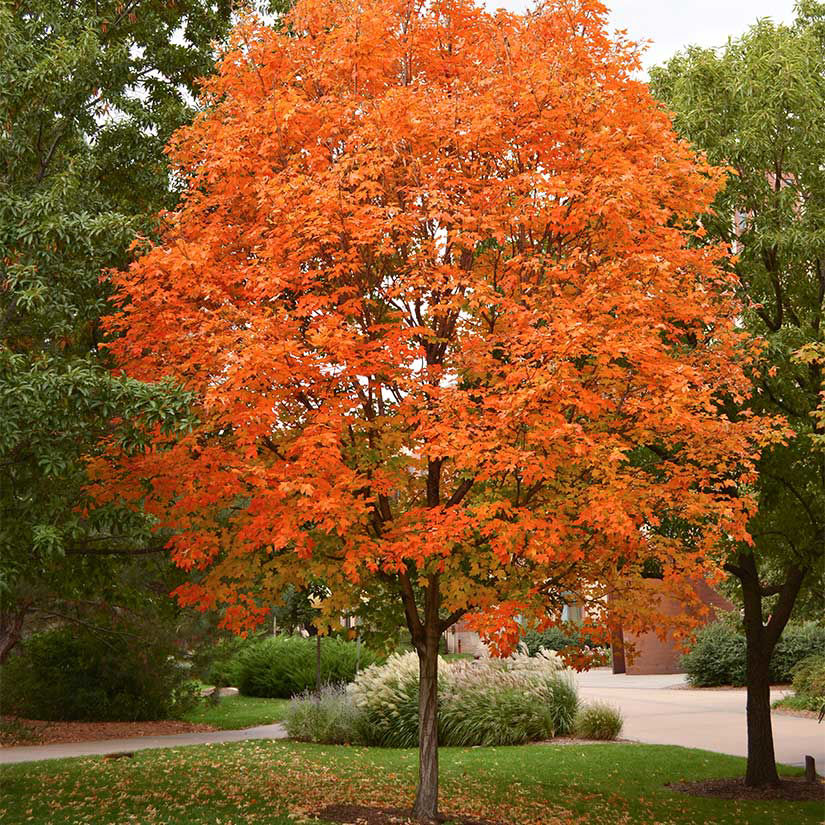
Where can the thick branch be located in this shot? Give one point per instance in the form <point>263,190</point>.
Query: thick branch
<point>111,551</point>
<point>410,607</point>
<point>455,616</point>
<point>460,492</point>
<point>782,612</point>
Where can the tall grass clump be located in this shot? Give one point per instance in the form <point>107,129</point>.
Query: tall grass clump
<point>330,717</point>
<point>486,702</point>
<point>598,721</point>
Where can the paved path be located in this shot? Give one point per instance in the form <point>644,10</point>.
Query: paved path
<point>659,710</point>
<point>33,753</point>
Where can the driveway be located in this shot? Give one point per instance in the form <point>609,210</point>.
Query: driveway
<point>662,710</point>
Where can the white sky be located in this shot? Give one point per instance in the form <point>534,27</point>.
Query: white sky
<point>674,24</point>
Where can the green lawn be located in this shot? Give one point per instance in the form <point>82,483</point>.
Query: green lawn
<point>280,783</point>
<point>456,657</point>
<point>236,712</point>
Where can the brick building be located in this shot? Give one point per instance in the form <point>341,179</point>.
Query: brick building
<point>652,654</point>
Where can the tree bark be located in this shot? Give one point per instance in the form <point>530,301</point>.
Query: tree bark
<point>761,769</point>
<point>11,627</point>
<point>425,808</point>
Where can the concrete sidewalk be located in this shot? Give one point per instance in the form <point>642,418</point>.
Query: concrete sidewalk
<point>662,710</point>
<point>33,753</point>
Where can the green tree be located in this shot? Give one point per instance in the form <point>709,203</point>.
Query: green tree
<point>758,107</point>
<point>90,92</point>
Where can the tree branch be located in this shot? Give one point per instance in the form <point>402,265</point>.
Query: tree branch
<point>410,607</point>
<point>460,492</point>
<point>455,616</point>
<point>107,551</point>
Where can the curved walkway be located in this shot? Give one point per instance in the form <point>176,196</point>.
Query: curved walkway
<point>661,710</point>
<point>34,753</point>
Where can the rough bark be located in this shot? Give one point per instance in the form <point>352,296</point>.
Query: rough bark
<point>426,633</point>
<point>425,808</point>
<point>761,769</point>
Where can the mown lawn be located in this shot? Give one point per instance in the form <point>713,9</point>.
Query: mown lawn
<point>237,712</point>
<point>281,783</point>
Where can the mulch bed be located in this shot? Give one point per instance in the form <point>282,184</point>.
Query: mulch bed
<point>790,789</point>
<point>364,815</point>
<point>15,731</point>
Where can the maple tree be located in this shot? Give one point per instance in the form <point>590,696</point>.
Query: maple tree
<point>432,287</point>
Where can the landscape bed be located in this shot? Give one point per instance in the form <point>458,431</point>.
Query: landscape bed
<point>284,783</point>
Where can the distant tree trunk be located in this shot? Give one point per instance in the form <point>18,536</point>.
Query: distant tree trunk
<point>318,664</point>
<point>11,626</point>
<point>761,639</point>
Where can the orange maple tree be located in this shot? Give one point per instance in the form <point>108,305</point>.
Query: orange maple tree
<point>432,288</point>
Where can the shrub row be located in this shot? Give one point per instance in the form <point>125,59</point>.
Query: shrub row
<point>719,655</point>
<point>489,702</point>
<point>279,667</point>
<point>79,674</point>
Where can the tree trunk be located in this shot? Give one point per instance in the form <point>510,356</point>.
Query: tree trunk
<point>761,768</point>
<point>11,628</point>
<point>761,639</point>
<point>426,800</point>
<point>318,664</point>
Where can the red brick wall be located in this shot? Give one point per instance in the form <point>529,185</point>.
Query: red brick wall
<point>654,655</point>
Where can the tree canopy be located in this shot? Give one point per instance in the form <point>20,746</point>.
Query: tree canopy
<point>90,93</point>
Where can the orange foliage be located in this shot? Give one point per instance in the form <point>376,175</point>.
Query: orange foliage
<point>432,287</point>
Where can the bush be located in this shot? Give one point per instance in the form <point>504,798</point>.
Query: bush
<point>554,638</point>
<point>331,718</point>
<point>809,679</point>
<point>797,643</point>
<point>77,674</point>
<point>719,655</point>
<point>488,702</point>
<point>279,667</point>
<point>598,721</point>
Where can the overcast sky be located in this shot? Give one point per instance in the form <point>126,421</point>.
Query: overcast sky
<point>673,24</point>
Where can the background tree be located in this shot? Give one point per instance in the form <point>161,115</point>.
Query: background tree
<point>89,94</point>
<point>758,107</point>
<point>432,288</point>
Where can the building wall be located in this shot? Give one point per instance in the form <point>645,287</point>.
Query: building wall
<point>655,655</point>
<point>460,639</point>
